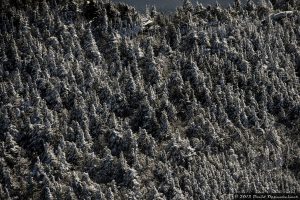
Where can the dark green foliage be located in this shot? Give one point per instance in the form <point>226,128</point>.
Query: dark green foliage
<point>98,101</point>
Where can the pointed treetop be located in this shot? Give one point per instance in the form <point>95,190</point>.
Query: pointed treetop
<point>187,5</point>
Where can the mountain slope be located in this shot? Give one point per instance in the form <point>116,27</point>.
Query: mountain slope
<point>98,101</point>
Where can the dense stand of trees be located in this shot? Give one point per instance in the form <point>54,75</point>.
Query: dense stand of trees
<point>98,101</point>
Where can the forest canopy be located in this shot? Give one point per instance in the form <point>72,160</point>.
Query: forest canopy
<point>100,101</point>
